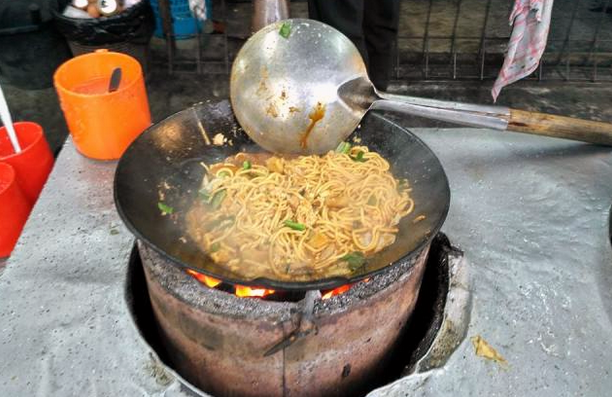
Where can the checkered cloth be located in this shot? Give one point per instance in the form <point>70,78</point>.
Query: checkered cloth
<point>531,20</point>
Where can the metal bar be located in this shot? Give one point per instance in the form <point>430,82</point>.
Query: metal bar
<point>566,77</point>
<point>460,37</point>
<point>500,38</point>
<point>427,60</point>
<point>225,46</point>
<point>475,119</point>
<point>397,58</point>
<point>166,16</point>
<point>569,32</point>
<point>598,27</point>
<point>594,45</point>
<point>482,62</point>
<point>198,48</point>
<point>427,21</point>
<point>540,69</point>
<point>454,39</point>
<point>426,38</point>
<point>482,51</point>
<point>455,24</point>
<point>490,110</point>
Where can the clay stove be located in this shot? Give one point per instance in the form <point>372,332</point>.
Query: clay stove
<point>229,345</point>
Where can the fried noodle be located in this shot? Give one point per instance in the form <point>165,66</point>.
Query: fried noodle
<point>264,215</point>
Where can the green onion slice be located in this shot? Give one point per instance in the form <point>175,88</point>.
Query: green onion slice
<point>295,225</point>
<point>165,209</point>
<point>355,260</point>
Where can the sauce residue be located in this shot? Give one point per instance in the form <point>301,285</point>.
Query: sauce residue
<point>317,114</point>
<point>272,110</point>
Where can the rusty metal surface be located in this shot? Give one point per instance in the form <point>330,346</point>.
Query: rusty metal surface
<point>217,340</point>
<point>223,351</point>
<point>221,355</point>
<point>352,345</point>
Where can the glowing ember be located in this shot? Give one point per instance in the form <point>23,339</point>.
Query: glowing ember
<point>337,291</point>
<point>210,282</point>
<point>243,291</point>
<point>246,292</point>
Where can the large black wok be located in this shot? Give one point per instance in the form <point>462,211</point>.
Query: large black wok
<point>164,162</point>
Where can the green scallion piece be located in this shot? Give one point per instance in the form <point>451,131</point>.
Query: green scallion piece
<point>355,260</point>
<point>343,148</point>
<point>285,30</point>
<point>218,199</point>
<point>295,225</point>
<point>165,209</point>
<point>223,174</point>
<point>215,247</point>
<point>204,195</point>
<point>359,157</point>
<point>246,165</point>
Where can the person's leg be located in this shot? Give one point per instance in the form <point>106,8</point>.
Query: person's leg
<point>380,25</point>
<point>344,15</point>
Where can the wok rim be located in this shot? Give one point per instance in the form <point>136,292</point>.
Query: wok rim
<point>268,283</point>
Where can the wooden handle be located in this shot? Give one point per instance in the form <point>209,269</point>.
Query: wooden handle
<point>560,127</point>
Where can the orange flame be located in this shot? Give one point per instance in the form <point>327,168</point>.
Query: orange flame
<point>340,290</point>
<point>210,282</point>
<point>243,291</point>
<point>337,291</point>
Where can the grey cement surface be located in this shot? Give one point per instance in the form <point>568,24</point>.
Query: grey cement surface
<point>530,213</point>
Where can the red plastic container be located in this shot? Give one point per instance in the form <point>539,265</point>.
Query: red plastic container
<point>14,210</point>
<point>33,164</point>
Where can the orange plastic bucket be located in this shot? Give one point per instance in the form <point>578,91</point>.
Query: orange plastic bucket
<point>102,123</point>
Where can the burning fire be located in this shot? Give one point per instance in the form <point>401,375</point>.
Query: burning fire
<point>243,291</point>
<point>341,289</point>
<point>337,291</point>
<point>210,282</point>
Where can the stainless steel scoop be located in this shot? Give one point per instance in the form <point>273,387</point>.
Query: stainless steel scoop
<point>300,86</point>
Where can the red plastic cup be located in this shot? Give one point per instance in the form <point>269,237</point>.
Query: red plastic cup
<point>14,210</point>
<point>33,164</point>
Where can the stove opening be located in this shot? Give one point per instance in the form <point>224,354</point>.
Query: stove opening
<point>243,291</point>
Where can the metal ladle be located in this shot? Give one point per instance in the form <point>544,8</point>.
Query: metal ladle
<point>300,86</point>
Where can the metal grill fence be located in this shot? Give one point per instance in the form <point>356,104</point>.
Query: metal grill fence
<point>440,40</point>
